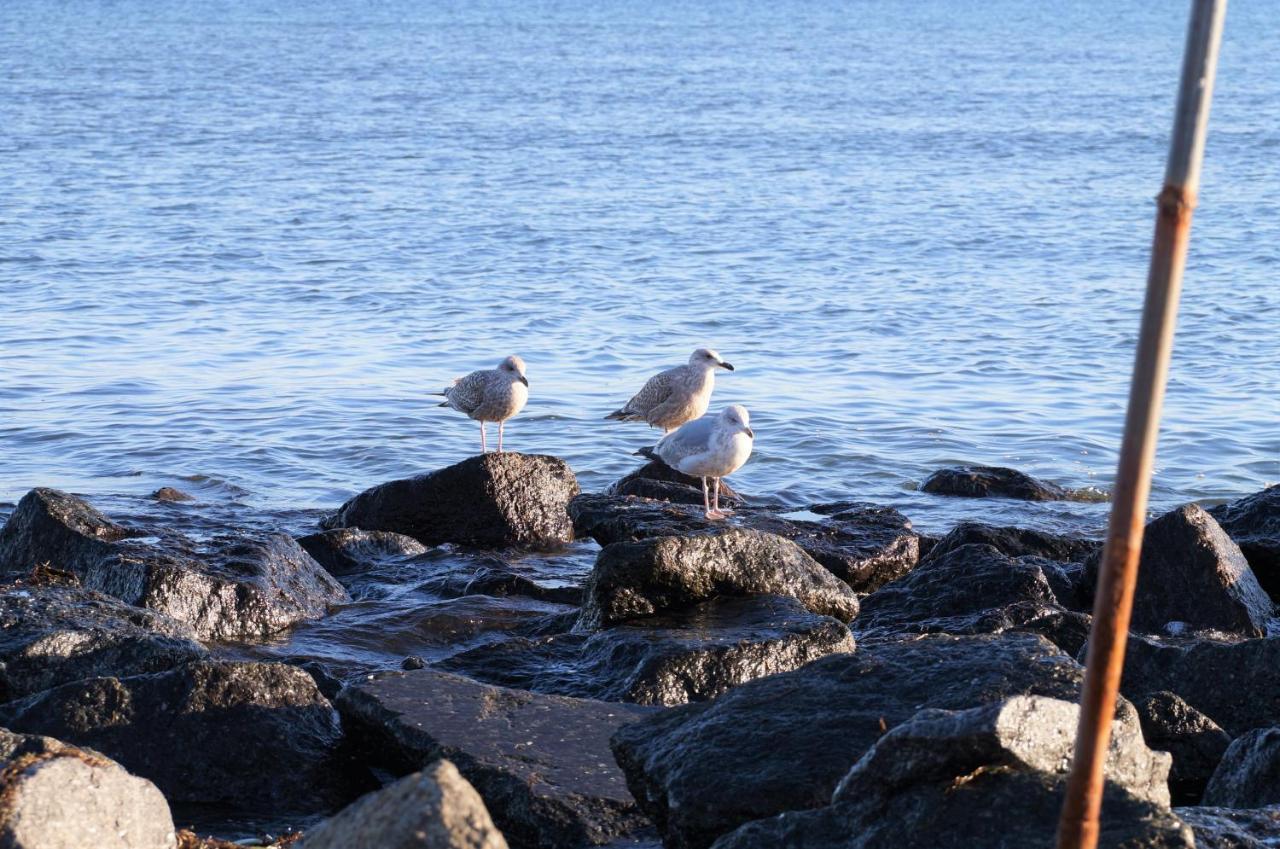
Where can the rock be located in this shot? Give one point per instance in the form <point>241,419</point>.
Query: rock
<point>1192,572</point>
<point>655,479</point>
<point>413,662</point>
<point>492,577</point>
<point>973,589</point>
<point>256,735</point>
<point>633,579</point>
<point>168,493</point>
<point>232,587</point>
<point>1016,542</point>
<point>541,763</point>
<point>864,545</point>
<point>783,742</point>
<point>991,482</point>
<point>350,551</point>
<point>435,808</point>
<point>1194,740</point>
<point>1066,629</point>
<point>1248,776</point>
<point>1237,685</point>
<point>488,501</point>
<point>50,635</point>
<point>58,797</point>
<point>689,655</point>
<point>1254,523</point>
<point>1231,828</point>
<point>944,778</point>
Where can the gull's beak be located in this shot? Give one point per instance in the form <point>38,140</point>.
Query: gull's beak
<point>725,366</point>
<point>749,432</point>
<point>524,380</point>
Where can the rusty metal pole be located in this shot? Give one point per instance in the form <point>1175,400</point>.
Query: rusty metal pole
<point>1078,826</point>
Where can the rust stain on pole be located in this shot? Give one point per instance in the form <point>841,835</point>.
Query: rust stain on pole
<point>1079,824</point>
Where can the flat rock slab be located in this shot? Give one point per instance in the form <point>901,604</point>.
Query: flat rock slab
<point>1017,542</point>
<point>862,544</point>
<point>686,656</point>
<point>1192,572</point>
<point>636,579</point>
<point>229,587</point>
<point>1254,523</point>
<point>487,501</point>
<point>991,482</point>
<point>541,763</point>
<point>60,797</point>
<point>252,735</point>
<point>784,742</point>
<point>50,635</point>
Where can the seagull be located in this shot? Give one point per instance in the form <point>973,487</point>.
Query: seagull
<point>490,395</point>
<point>677,395</point>
<point>709,447</point>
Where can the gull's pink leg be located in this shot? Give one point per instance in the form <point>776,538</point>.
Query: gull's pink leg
<point>484,449</point>
<point>705,501</point>
<point>716,499</point>
<point>500,424</point>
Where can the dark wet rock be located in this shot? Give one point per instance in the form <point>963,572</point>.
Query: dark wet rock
<point>256,735</point>
<point>1236,684</point>
<point>1191,572</point>
<point>973,589</point>
<point>541,763</point>
<point>633,579</point>
<point>231,587</point>
<point>655,479</point>
<point>413,662</point>
<point>862,544</point>
<point>495,578</point>
<point>168,493</point>
<point>684,656</point>
<point>1233,828</point>
<point>945,778</point>
<point>327,683</point>
<point>1248,776</point>
<point>1066,629</point>
<point>991,482</point>
<point>435,808</point>
<point>57,796</point>
<point>487,501</point>
<point>1194,740</point>
<point>1254,523</point>
<point>783,742</point>
<point>1017,542</point>
<point>50,635</point>
<point>350,551</point>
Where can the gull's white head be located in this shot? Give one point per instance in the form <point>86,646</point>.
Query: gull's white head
<point>737,419</point>
<point>707,358</point>
<point>514,366</point>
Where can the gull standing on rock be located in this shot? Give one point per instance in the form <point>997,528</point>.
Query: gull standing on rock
<point>710,447</point>
<point>490,395</point>
<point>677,395</point>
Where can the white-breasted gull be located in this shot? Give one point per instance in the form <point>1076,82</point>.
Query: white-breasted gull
<point>709,447</point>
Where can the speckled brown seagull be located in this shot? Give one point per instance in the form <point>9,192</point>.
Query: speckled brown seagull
<point>490,395</point>
<point>677,395</point>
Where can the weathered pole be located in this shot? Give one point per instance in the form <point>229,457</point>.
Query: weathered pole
<point>1078,826</point>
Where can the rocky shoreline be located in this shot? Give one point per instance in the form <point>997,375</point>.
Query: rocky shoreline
<point>825,678</point>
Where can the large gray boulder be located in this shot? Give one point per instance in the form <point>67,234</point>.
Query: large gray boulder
<point>541,763</point>
<point>487,501</point>
<point>864,545</point>
<point>1248,776</point>
<point>50,635</point>
<point>683,656</point>
<point>634,579</point>
<point>435,808</point>
<point>1233,828</point>
<point>991,482</point>
<point>1195,741</point>
<point>945,779</point>
<point>229,587</point>
<point>1192,572</point>
<point>57,796</point>
<point>783,743</point>
<point>1235,684</point>
<point>973,589</point>
<point>257,735</point>
<point>1254,523</point>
